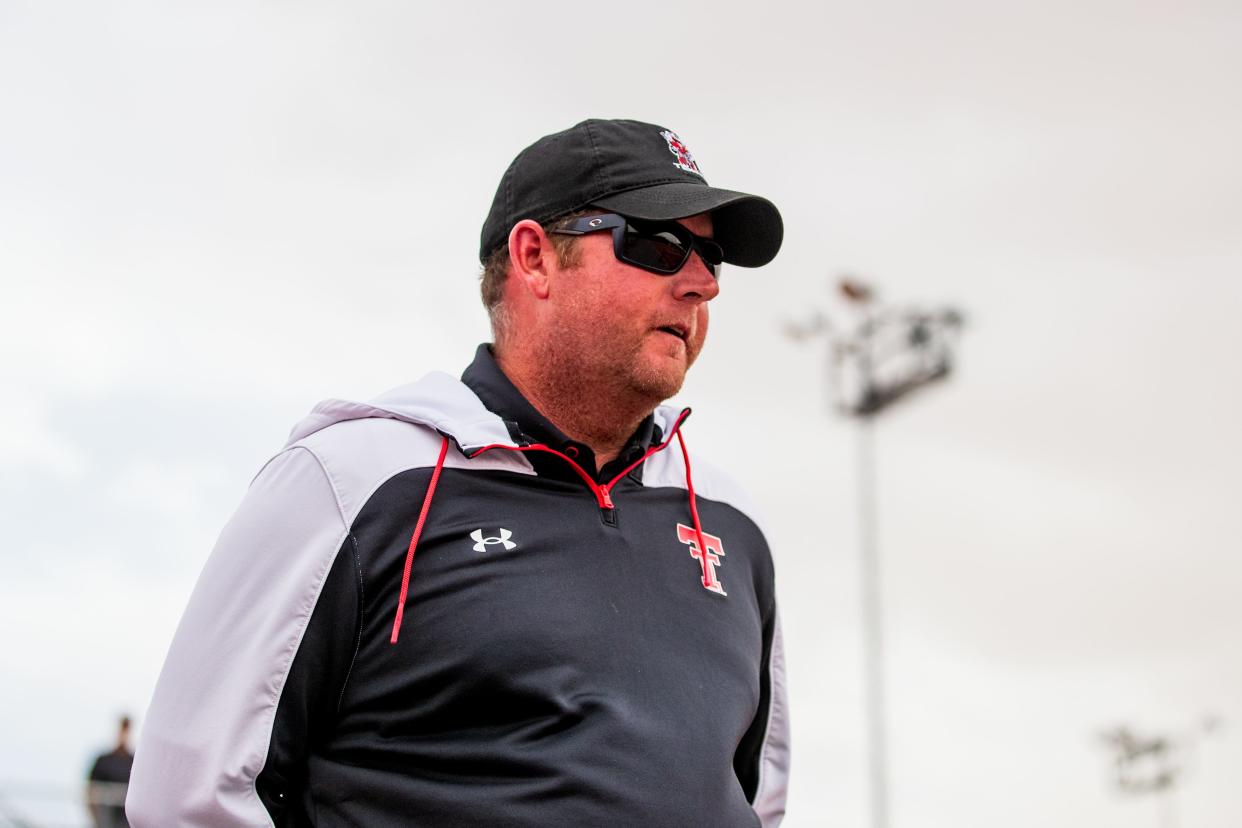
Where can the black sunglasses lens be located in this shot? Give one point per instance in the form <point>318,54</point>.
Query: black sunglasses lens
<point>712,253</point>
<point>661,251</point>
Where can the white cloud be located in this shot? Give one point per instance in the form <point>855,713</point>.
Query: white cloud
<point>30,444</point>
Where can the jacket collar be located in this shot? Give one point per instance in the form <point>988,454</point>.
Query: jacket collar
<point>484,409</point>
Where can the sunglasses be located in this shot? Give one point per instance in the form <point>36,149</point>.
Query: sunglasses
<point>661,247</point>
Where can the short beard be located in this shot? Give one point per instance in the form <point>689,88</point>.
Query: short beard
<point>644,381</point>
<point>606,391</point>
<point>615,376</point>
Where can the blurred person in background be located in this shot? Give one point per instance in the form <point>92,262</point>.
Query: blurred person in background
<point>587,634</point>
<point>108,780</point>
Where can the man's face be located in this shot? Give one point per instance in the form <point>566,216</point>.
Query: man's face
<point>626,327</point>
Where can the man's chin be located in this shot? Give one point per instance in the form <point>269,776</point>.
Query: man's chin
<point>660,381</point>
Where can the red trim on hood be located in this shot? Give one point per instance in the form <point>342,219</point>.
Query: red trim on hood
<point>602,491</point>
<point>676,430</point>
<point>600,494</point>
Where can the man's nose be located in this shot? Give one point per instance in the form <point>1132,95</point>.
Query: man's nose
<point>695,282</point>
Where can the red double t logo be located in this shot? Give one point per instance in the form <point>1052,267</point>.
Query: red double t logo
<point>709,558</point>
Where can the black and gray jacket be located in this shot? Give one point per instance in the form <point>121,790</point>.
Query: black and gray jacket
<point>432,609</point>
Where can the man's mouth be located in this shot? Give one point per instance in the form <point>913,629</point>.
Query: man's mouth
<point>679,331</point>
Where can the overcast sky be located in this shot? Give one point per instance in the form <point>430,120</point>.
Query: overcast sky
<point>212,215</point>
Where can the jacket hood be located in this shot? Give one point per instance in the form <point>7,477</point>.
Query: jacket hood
<point>439,401</point>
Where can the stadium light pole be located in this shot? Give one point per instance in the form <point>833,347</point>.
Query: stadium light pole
<point>887,354</point>
<point>1155,764</point>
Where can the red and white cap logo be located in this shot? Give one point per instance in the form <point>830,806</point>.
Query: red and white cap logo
<point>685,161</point>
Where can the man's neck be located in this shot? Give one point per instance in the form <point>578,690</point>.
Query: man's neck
<point>600,417</point>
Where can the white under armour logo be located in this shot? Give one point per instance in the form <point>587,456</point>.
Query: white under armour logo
<point>481,543</point>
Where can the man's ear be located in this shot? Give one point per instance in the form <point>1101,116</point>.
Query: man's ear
<point>532,257</point>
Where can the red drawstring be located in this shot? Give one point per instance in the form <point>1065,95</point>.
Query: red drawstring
<point>418,530</point>
<point>694,508</point>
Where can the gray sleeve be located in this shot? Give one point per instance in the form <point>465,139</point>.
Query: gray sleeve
<point>206,735</point>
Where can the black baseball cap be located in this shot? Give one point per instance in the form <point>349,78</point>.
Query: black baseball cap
<point>638,170</point>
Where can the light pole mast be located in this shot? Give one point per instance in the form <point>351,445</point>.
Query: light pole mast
<point>1155,764</point>
<point>885,355</point>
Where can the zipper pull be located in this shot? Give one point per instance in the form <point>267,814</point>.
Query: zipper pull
<point>607,510</point>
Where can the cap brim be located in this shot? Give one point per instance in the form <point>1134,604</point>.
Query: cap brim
<point>747,227</point>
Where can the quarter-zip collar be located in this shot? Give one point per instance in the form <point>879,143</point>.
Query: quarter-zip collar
<point>527,426</point>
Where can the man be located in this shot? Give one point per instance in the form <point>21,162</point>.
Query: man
<point>504,600</point>
<point>105,787</point>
